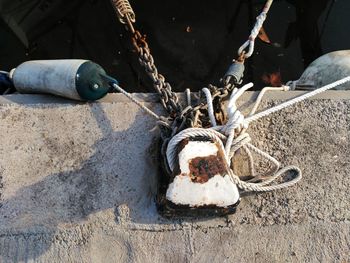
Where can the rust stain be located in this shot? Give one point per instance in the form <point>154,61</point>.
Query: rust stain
<point>204,168</point>
<point>177,170</point>
<point>273,79</point>
<point>263,36</point>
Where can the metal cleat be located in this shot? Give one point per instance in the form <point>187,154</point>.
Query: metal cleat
<point>200,184</point>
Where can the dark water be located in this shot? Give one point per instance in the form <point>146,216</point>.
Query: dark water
<point>192,41</point>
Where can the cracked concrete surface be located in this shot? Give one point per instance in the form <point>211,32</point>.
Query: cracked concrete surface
<point>77,183</point>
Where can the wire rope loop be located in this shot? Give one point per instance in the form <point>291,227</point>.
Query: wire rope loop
<point>255,31</point>
<point>242,50</point>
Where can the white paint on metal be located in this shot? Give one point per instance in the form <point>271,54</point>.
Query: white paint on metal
<point>218,190</point>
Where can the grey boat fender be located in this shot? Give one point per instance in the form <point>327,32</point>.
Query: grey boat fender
<point>325,70</point>
<point>76,79</point>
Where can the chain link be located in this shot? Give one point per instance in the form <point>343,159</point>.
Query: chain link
<point>192,116</point>
<point>168,98</point>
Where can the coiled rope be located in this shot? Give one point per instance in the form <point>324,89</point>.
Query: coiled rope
<point>233,136</point>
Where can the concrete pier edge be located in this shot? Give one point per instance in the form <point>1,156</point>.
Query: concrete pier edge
<point>77,184</point>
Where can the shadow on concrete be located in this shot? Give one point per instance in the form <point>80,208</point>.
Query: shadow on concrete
<point>120,173</point>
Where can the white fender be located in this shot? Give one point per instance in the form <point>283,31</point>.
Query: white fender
<point>56,77</point>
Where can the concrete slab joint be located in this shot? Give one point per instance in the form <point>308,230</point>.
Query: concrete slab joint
<point>77,182</point>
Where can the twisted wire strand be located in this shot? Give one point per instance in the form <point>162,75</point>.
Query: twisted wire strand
<point>124,11</point>
<point>233,136</point>
<point>208,96</point>
<point>136,101</point>
<point>221,133</point>
<point>255,31</point>
<point>232,143</point>
<point>297,100</point>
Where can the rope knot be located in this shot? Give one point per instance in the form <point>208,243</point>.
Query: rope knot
<point>232,137</point>
<point>235,122</point>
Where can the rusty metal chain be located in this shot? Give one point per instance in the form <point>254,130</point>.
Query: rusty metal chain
<point>181,118</point>
<point>230,80</point>
<point>168,98</point>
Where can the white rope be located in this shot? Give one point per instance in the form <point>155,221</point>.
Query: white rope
<point>188,97</point>
<point>133,99</point>
<point>233,136</point>
<point>255,31</point>
<point>5,72</point>
<point>262,93</point>
<point>207,94</point>
<point>297,99</point>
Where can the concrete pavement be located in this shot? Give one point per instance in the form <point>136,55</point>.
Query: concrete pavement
<point>77,183</point>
